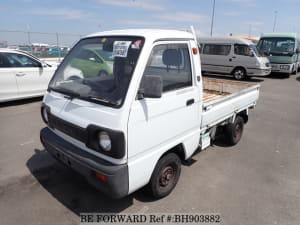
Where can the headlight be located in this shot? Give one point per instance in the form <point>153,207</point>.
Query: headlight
<point>284,67</point>
<point>44,114</point>
<point>104,141</point>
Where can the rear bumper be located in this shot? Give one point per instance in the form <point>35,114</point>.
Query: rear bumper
<point>117,182</point>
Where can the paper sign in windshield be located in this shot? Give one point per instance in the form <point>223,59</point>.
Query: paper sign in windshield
<point>121,48</point>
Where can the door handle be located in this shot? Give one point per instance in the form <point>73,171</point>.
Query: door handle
<point>20,74</point>
<point>190,102</point>
<point>230,60</point>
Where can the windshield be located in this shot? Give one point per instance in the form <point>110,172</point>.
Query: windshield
<point>277,46</point>
<point>99,69</point>
<point>255,50</point>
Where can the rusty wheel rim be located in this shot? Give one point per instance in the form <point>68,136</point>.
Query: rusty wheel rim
<point>167,177</point>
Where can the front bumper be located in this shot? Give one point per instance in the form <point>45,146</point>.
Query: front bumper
<point>282,68</point>
<point>263,72</point>
<point>117,182</point>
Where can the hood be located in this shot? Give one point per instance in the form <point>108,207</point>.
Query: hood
<point>82,113</point>
<point>263,60</point>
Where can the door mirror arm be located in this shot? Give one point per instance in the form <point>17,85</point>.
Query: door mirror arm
<point>140,94</point>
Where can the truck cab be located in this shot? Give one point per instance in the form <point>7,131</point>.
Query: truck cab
<point>134,127</point>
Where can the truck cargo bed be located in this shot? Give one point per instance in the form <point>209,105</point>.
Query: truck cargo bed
<point>217,89</point>
<point>210,95</point>
<point>223,98</point>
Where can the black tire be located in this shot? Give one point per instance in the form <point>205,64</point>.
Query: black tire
<point>239,73</point>
<point>234,131</point>
<point>294,72</point>
<point>165,176</point>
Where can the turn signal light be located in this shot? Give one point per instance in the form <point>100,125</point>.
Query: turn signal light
<point>101,177</point>
<point>195,51</point>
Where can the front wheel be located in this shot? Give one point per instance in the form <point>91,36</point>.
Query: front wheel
<point>239,74</point>
<point>234,131</point>
<point>165,176</point>
<point>294,70</point>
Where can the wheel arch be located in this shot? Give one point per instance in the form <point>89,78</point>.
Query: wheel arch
<point>244,115</point>
<point>178,150</point>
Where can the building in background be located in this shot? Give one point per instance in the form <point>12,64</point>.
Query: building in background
<point>3,44</point>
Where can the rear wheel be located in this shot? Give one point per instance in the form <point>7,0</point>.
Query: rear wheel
<point>165,176</point>
<point>234,131</point>
<point>239,73</point>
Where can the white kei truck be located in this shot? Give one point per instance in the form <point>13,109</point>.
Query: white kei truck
<point>132,128</point>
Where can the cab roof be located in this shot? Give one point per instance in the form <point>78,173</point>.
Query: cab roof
<point>285,35</point>
<point>8,50</point>
<point>149,34</point>
<point>224,40</point>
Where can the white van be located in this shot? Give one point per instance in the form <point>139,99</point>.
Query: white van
<point>236,56</point>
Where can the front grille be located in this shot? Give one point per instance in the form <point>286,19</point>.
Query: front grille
<point>67,128</point>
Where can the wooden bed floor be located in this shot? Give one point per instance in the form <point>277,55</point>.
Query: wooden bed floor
<point>210,95</point>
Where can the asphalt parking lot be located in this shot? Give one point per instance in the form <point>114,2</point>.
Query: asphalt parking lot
<point>254,182</point>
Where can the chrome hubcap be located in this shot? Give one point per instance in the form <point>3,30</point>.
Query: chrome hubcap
<point>239,74</point>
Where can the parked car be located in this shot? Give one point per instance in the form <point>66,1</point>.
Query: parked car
<point>134,127</point>
<point>235,56</point>
<point>22,75</point>
<point>93,61</point>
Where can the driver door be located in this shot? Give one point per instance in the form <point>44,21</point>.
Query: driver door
<point>161,121</point>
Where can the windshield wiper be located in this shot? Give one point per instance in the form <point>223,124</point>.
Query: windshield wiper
<point>102,100</point>
<point>71,94</point>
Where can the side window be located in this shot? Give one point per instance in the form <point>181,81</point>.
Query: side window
<point>216,49</point>
<point>171,62</point>
<point>3,61</point>
<point>18,60</point>
<point>242,50</point>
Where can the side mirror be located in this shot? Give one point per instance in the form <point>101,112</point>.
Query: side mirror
<point>251,54</point>
<point>40,64</point>
<point>151,87</point>
<point>44,64</point>
<point>297,50</point>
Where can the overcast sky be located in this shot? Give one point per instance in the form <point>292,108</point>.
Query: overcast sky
<point>240,17</point>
